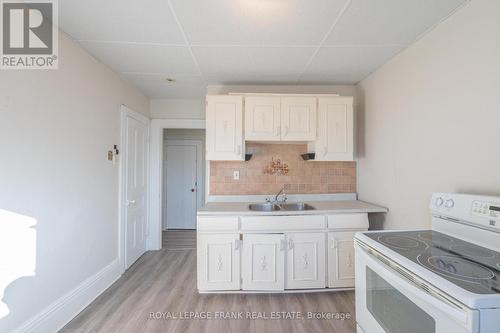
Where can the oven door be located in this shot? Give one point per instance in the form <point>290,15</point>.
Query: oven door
<point>391,299</point>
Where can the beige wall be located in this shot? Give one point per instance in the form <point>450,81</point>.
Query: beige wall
<point>178,108</point>
<point>304,177</point>
<point>55,130</point>
<point>430,118</point>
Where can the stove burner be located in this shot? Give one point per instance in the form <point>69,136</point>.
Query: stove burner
<point>469,251</point>
<point>435,238</point>
<point>466,265</point>
<point>400,242</point>
<point>459,267</point>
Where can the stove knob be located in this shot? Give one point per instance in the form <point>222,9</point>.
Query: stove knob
<point>449,203</point>
<point>439,201</point>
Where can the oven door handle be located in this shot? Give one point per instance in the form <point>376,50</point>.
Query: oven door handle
<point>436,298</point>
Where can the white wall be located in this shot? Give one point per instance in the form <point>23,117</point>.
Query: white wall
<point>56,127</point>
<point>430,118</point>
<point>195,108</point>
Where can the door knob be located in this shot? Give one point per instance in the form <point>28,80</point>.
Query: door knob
<point>192,190</point>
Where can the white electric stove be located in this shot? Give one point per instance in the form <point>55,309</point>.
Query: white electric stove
<point>443,280</point>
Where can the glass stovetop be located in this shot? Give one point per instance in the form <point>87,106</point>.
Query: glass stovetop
<point>472,267</point>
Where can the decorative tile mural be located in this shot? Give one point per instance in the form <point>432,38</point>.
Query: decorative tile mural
<point>303,177</point>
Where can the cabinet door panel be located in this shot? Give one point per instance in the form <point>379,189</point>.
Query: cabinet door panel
<point>262,118</point>
<point>218,262</point>
<point>225,128</point>
<point>341,259</point>
<point>306,261</point>
<point>263,262</point>
<point>335,129</point>
<point>298,118</point>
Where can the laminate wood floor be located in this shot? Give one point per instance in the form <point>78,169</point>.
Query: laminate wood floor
<point>179,240</point>
<point>164,283</point>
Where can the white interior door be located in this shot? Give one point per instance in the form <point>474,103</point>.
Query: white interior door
<point>181,161</point>
<point>135,153</point>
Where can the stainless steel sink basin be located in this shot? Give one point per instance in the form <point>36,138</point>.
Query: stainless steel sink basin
<point>270,207</point>
<point>264,207</point>
<point>296,206</point>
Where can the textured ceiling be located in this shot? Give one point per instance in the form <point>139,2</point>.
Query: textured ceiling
<point>200,42</point>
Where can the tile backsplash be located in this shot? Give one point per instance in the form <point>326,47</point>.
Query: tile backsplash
<point>303,178</point>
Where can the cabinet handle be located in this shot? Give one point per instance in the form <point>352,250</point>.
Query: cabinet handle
<point>236,244</point>
<point>290,244</point>
<point>334,243</point>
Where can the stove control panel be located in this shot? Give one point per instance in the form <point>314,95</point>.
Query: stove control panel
<point>480,210</point>
<point>485,209</point>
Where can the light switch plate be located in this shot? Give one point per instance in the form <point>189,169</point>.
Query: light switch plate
<point>236,175</point>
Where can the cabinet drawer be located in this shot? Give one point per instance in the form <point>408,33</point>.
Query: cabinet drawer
<point>348,221</point>
<point>297,222</point>
<point>215,223</point>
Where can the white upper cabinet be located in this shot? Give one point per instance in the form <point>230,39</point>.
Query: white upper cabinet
<point>274,118</point>
<point>262,118</point>
<point>298,118</point>
<point>335,129</point>
<point>326,123</point>
<point>224,128</point>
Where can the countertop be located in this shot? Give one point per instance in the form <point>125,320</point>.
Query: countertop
<point>322,207</point>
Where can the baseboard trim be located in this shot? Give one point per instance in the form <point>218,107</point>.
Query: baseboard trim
<point>286,291</point>
<point>59,313</point>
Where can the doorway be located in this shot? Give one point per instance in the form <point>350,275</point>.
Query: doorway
<point>183,182</point>
<point>157,185</point>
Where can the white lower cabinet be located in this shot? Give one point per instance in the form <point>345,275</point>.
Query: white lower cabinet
<point>341,259</point>
<point>277,253</point>
<point>306,261</point>
<point>263,262</point>
<point>219,262</point>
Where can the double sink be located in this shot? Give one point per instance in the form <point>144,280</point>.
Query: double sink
<point>271,207</point>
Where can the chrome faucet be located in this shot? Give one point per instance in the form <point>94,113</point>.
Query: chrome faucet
<point>276,197</point>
